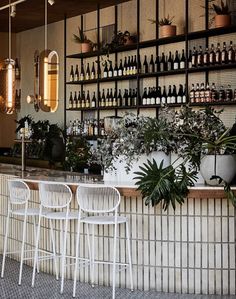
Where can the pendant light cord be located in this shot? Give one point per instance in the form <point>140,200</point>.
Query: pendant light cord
<point>9,35</point>
<point>46,26</point>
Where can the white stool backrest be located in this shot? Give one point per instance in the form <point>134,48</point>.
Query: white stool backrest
<point>54,195</point>
<point>19,191</point>
<point>95,198</point>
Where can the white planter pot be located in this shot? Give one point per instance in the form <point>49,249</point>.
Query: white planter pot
<point>174,157</point>
<point>120,175</point>
<point>224,166</point>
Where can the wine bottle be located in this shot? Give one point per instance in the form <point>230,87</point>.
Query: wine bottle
<point>139,70</point>
<point>87,104</point>
<point>110,71</point>
<point>83,105</point>
<point>231,53</point>
<point>145,65</point>
<point>72,77</point>
<point>87,75</point>
<point>192,94</point>
<point>164,96</point>
<point>130,97</point>
<point>71,101</point>
<point>134,97</point>
<point>176,61</point>
<point>79,104</point>
<point>74,103</point>
<point>214,93</point>
<point>125,98</point>
<point>206,57</point>
<point>99,72</point>
<point>202,93</point>
<point>180,94</point>
<point>144,97</point>
<point>184,94</point>
<point>200,57</point>
<point>153,96</point>
<point>152,64</point>
<point>163,63</point>
<point>131,65</point>
<point>229,93</point>
<point>125,67</point>
<point>110,100</point>
<point>182,60</point>
<point>194,57</point>
<point>212,56</point>
<point>224,54</point>
<point>221,94</point>
<point>218,54</point>
<point>105,71</point>
<point>93,73</point>
<point>197,94</point>
<point>115,73</point>
<point>114,103</point>
<point>76,73</point>
<point>174,95</point>
<point>93,103</point>
<point>107,98</point>
<point>128,72</point>
<point>169,95</point>
<point>120,99</point>
<point>169,62</point>
<point>17,70</point>
<point>190,59</point>
<point>149,96</point>
<point>135,65</point>
<point>82,73</point>
<point>207,94</point>
<point>103,100</point>
<point>158,95</point>
<point>120,70</point>
<point>157,64</point>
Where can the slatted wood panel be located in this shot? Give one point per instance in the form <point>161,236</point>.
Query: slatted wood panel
<point>191,250</point>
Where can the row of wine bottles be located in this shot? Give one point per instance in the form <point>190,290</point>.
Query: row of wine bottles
<point>87,127</point>
<point>212,56</point>
<point>209,93</point>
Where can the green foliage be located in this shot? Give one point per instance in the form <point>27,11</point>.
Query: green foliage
<point>164,21</point>
<point>222,9</point>
<point>164,184</point>
<point>82,38</point>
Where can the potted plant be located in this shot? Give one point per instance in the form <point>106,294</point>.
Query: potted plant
<point>166,27</point>
<point>86,44</point>
<point>221,13</point>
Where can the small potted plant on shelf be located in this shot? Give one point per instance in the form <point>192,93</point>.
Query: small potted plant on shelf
<point>86,44</point>
<point>222,13</point>
<point>166,27</point>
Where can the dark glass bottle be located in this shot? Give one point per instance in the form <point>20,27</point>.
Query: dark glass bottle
<point>152,64</point>
<point>87,76</point>
<point>135,65</point>
<point>82,74</point>
<point>115,73</point>
<point>169,95</point>
<point>218,55</point>
<point>76,73</point>
<point>105,71</point>
<point>221,94</point>
<point>107,98</point>
<point>174,95</point>
<point>206,57</point>
<point>212,56</point>
<point>114,103</point>
<point>145,65</point>
<point>207,95</point>
<point>71,101</point>
<point>200,57</point>
<point>163,63</point>
<point>214,93</point>
<point>202,93</point>
<point>128,66</point>
<point>72,77</point>
<point>125,67</point>
<point>194,57</point>
<point>149,96</point>
<point>176,61</point>
<point>197,94</point>
<point>163,96</point>
<point>79,102</point>
<point>110,71</point>
<point>131,69</point>
<point>180,94</point>
<point>190,59</point>
<point>224,54</point>
<point>192,94</point>
<point>158,95</point>
<point>120,70</point>
<point>93,102</point>
<point>229,93</point>
<point>144,97</point>
<point>103,99</point>
<point>74,103</point>
<point>169,62</point>
<point>182,60</point>
<point>93,73</point>
<point>157,64</point>
<point>120,100</point>
<point>231,53</point>
<point>87,100</point>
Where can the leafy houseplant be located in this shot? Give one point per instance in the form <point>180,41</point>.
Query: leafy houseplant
<point>167,29</point>
<point>86,44</point>
<point>221,14</point>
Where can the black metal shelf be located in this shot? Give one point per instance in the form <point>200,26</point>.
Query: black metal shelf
<point>213,104</point>
<point>82,109</point>
<point>211,32</point>
<point>212,68</point>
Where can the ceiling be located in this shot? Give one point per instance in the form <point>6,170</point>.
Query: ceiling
<point>30,14</point>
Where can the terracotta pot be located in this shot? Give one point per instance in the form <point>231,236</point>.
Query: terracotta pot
<point>168,30</point>
<point>86,47</point>
<point>128,41</point>
<point>222,21</point>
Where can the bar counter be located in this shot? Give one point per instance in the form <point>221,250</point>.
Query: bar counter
<point>189,250</point>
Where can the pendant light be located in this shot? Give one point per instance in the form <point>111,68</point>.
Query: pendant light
<point>8,76</point>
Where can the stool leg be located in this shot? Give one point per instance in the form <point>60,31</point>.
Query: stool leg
<point>22,247</point>
<point>76,256</point>
<point>92,257</point>
<point>64,254</point>
<point>129,256</point>
<point>53,248</point>
<point>89,250</point>
<point>35,236</point>
<point>114,262</point>
<point>61,241</point>
<point>36,247</point>
<point>5,242</point>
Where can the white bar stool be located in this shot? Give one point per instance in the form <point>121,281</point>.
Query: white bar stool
<point>101,201</point>
<point>19,194</point>
<point>54,196</point>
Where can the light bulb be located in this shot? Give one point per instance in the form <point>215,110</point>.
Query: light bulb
<point>45,83</point>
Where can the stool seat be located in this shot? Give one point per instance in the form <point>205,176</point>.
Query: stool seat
<point>104,219</point>
<point>30,212</point>
<point>61,215</point>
